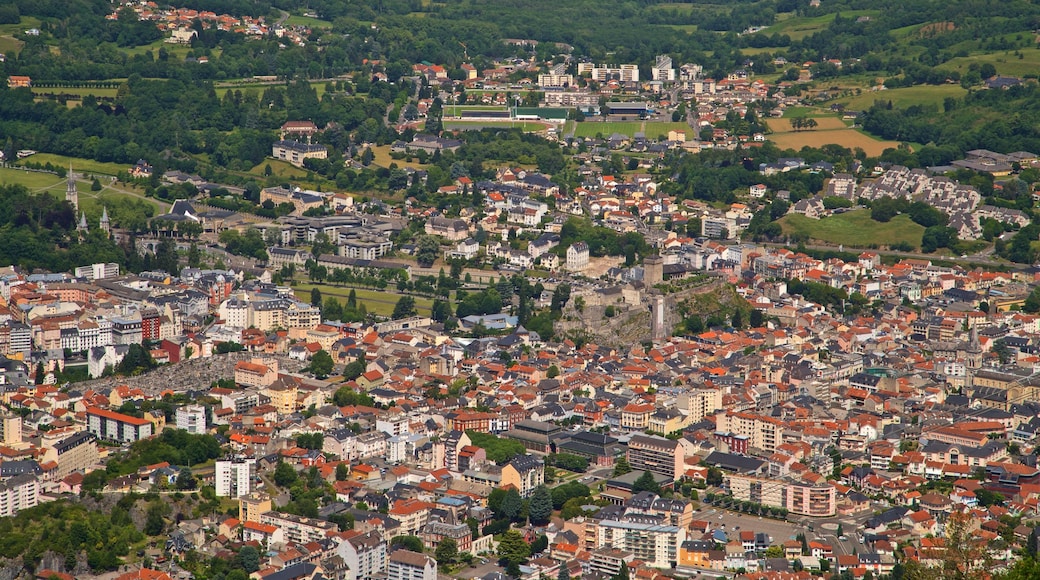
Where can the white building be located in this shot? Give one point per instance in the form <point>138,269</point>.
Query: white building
<point>578,257</point>
<point>662,69</point>
<point>365,555</point>
<point>192,418</point>
<point>234,477</point>
<point>20,492</point>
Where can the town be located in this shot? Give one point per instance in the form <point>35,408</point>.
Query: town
<point>308,295</point>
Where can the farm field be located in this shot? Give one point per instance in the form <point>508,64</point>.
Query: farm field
<point>854,228</point>
<point>831,130</point>
<point>77,91</point>
<point>79,165</point>
<point>905,97</point>
<point>380,302</point>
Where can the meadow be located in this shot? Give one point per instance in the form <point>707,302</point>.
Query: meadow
<point>854,229</point>
<point>79,165</point>
<point>904,97</point>
<point>379,302</point>
<point>652,129</point>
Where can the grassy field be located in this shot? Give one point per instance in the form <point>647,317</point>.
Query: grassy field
<point>905,97</point>
<point>1006,63</point>
<point>652,129</point>
<point>8,43</point>
<point>823,124</point>
<point>527,126</point>
<point>30,179</point>
<point>78,91</point>
<point>299,20</point>
<point>799,27</point>
<point>854,228</point>
<point>380,302</point>
<point>279,168</point>
<point>79,165</point>
<point>383,159</point>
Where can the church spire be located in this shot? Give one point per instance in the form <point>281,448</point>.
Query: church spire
<point>83,227</point>
<point>105,226</point>
<point>71,193</point>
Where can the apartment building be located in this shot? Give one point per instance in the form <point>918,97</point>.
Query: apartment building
<point>251,506</point>
<point>763,432</point>
<point>19,493</point>
<point>78,452</point>
<point>297,528</point>
<point>656,545</point>
<point>234,477</point>
<point>408,565</point>
<point>112,426</point>
<point>365,555</point>
<point>192,418</point>
<point>658,455</point>
<point>525,473</point>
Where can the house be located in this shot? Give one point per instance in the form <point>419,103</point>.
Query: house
<point>16,82</point>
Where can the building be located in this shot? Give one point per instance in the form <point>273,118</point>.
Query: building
<point>658,455</point>
<point>251,506</point>
<point>817,501</point>
<point>656,545</point>
<point>19,493</point>
<point>626,73</point>
<point>295,152</point>
<point>365,555</point>
<point>192,418</point>
<point>663,70</point>
<point>297,528</point>
<point>76,453</point>
<point>234,477</point>
<point>12,429</point>
<point>408,565</point>
<point>112,426</point>
<point>256,372</point>
<point>525,473</point>
<point>578,257</point>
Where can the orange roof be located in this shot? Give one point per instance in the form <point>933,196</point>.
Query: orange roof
<point>106,414</point>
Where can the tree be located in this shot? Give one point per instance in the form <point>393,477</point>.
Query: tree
<point>622,467</point>
<point>541,507</point>
<point>774,552</point>
<point>186,481</point>
<point>427,250</point>
<point>1002,350</point>
<point>413,543</point>
<point>404,308</point>
<point>564,574</point>
<point>321,364</point>
<point>622,573</point>
<point>40,374</point>
<point>646,482</point>
<point>284,474</point>
<point>249,558</point>
<point>511,504</point>
<point>446,552</point>
<point>513,548</point>
<point>154,522</point>
<point>316,297</point>
<point>342,472</point>
<point>95,185</point>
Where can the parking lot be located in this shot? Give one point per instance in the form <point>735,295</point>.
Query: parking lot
<point>780,531</point>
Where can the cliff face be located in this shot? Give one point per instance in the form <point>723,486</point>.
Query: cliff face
<point>621,318</point>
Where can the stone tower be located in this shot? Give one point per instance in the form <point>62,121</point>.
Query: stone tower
<point>653,270</point>
<point>71,194</point>
<point>83,227</point>
<point>105,225</point>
